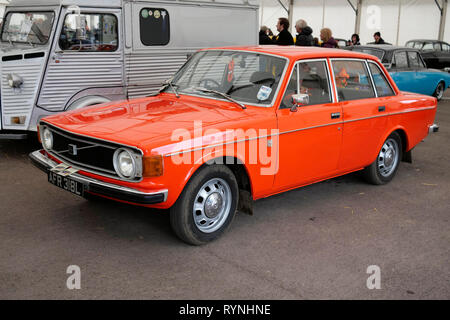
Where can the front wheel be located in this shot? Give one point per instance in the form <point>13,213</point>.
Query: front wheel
<point>385,166</point>
<point>439,92</point>
<point>207,205</point>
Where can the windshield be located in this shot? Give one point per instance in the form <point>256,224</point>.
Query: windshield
<point>244,76</point>
<point>28,27</point>
<point>377,53</point>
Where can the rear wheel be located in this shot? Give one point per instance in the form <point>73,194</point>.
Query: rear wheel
<point>207,205</point>
<point>385,166</point>
<point>439,92</point>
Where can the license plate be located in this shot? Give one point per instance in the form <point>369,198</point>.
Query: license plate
<point>66,183</point>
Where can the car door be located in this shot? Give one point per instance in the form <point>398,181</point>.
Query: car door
<point>444,56</point>
<point>424,80</point>
<point>402,74</point>
<point>363,113</point>
<point>310,135</point>
<point>84,59</point>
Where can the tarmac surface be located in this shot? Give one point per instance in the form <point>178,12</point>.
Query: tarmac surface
<point>315,242</point>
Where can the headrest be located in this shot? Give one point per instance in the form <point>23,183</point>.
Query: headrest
<point>261,76</point>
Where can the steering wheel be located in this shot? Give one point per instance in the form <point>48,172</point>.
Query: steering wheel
<point>206,81</point>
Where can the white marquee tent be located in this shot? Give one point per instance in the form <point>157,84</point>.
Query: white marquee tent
<point>397,20</point>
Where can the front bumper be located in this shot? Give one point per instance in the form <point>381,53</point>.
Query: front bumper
<point>98,187</point>
<point>433,128</point>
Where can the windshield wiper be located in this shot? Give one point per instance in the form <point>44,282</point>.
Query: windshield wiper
<point>224,95</point>
<point>169,83</point>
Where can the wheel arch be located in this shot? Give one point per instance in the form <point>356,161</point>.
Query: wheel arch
<point>240,171</point>
<point>87,101</point>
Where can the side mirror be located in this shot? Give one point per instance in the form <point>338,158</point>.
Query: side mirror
<point>299,100</point>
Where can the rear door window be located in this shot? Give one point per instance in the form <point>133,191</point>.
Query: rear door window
<point>414,60</point>
<point>352,80</point>
<point>381,83</point>
<point>400,59</point>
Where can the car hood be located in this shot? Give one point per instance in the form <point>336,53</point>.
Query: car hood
<point>155,122</point>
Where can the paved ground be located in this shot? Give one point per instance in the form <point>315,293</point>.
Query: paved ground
<point>311,243</point>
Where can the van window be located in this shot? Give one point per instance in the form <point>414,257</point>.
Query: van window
<point>154,27</point>
<point>381,83</point>
<point>28,27</point>
<point>92,32</point>
<point>352,80</point>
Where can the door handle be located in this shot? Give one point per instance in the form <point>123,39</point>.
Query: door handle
<point>381,108</point>
<point>335,115</point>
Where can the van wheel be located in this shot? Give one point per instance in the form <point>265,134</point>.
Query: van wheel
<point>207,205</point>
<point>439,92</point>
<point>385,166</point>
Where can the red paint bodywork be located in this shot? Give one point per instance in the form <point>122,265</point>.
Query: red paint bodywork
<point>347,144</point>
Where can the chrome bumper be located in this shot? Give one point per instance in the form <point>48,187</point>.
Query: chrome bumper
<point>95,186</point>
<point>433,128</point>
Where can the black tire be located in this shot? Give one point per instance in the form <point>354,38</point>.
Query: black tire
<point>190,229</point>
<point>439,92</point>
<point>380,172</point>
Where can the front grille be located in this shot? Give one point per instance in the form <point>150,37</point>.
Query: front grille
<point>85,153</point>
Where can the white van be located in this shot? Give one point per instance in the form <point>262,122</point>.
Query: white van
<point>59,55</point>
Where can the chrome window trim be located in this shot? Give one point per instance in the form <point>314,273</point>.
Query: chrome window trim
<point>82,167</point>
<point>385,77</point>
<point>243,102</point>
<point>362,60</point>
<point>330,86</point>
<point>371,79</point>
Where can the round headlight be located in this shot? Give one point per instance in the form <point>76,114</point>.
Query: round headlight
<point>47,139</point>
<point>125,164</point>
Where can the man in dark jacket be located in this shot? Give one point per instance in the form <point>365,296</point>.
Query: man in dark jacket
<point>284,36</point>
<point>264,37</point>
<point>378,38</point>
<point>304,36</point>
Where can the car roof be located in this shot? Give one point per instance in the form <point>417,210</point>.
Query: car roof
<point>425,40</point>
<point>385,47</point>
<point>297,52</point>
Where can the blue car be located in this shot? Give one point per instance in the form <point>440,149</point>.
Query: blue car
<point>409,71</point>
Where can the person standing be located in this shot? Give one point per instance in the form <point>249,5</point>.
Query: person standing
<point>355,40</point>
<point>304,37</point>
<point>284,36</point>
<point>264,37</point>
<point>327,39</point>
<point>378,38</point>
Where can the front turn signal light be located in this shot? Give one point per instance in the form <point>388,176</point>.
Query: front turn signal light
<point>153,166</point>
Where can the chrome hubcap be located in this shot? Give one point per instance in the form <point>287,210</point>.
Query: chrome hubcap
<point>212,205</point>
<point>388,158</point>
<point>439,91</point>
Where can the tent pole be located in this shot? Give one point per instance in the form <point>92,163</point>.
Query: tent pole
<point>443,19</point>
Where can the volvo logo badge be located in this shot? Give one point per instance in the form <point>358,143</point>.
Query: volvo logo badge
<point>73,150</point>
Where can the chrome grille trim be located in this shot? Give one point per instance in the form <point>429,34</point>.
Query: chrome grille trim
<point>92,143</point>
